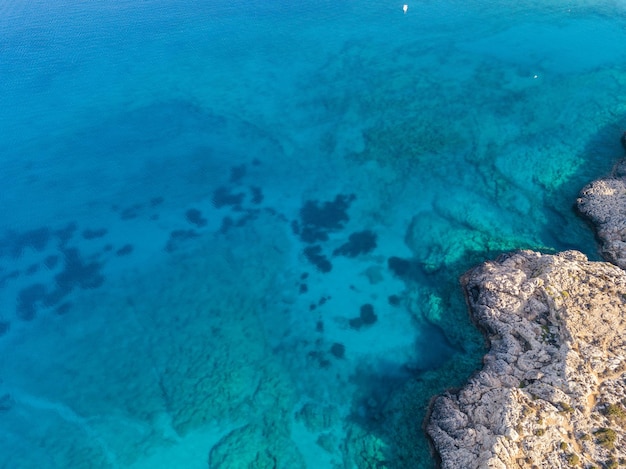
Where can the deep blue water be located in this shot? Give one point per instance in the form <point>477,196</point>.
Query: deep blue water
<point>231,232</point>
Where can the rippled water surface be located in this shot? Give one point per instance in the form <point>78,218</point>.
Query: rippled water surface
<point>231,232</point>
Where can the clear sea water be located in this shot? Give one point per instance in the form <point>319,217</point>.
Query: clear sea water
<point>231,232</point>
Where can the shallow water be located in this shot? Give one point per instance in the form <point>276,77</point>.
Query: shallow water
<point>231,233</point>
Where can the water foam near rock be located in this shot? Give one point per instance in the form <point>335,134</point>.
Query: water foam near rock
<point>231,235</point>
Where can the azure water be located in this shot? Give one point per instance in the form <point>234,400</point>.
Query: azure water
<point>231,232</point>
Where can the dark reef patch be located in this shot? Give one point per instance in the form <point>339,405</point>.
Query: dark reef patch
<point>329,215</point>
<point>15,243</point>
<point>94,234</point>
<point>227,224</point>
<point>65,234</point>
<point>56,296</point>
<point>178,237</point>
<point>367,317</point>
<point>319,219</point>
<point>338,350</point>
<point>400,267</point>
<point>28,300</point>
<point>367,314</point>
<point>275,213</point>
<point>63,308</point>
<point>77,273</point>
<point>7,402</point>
<point>355,323</point>
<point>32,269</point>
<point>295,227</point>
<point>249,216</point>
<point>37,239</point>
<point>317,258</point>
<point>51,261</point>
<point>257,195</point>
<point>310,235</point>
<point>4,327</point>
<point>358,243</point>
<point>10,276</point>
<point>394,300</point>
<point>131,212</point>
<point>319,359</point>
<point>194,216</point>
<point>405,269</point>
<point>124,250</point>
<point>237,173</point>
<point>223,196</point>
<point>156,201</point>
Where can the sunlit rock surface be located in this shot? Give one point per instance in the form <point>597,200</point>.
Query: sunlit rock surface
<point>603,202</point>
<point>551,392</point>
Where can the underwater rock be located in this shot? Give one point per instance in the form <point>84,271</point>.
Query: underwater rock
<point>64,308</point>
<point>227,224</point>
<point>318,417</point>
<point>78,273</point>
<point>125,250</point>
<point>28,301</point>
<point>316,257</point>
<point>367,317</point>
<point>394,300</point>
<point>178,238</point>
<point>403,268</point>
<point>66,233</point>
<point>237,173</point>
<point>6,402</point>
<point>51,261</point>
<point>94,234</point>
<point>131,212</point>
<point>194,216</point>
<point>223,196</point>
<point>320,219</point>
<point>255,446</point>
<point>156,201</point>
<point>358,243</point>
<point>338,350</point>
<point>257,195</point>
<point>16,243</point>
<point>551,390</point>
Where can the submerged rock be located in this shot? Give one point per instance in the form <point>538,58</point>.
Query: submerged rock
<point>551,391</point>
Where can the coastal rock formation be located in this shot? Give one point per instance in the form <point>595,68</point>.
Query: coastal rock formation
<point>552,390</point>
<point>603,202</point>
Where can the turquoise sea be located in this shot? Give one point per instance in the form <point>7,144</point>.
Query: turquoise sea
<point>231,232</point>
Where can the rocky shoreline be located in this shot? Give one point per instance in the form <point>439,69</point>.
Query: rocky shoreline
<point>552,390</point>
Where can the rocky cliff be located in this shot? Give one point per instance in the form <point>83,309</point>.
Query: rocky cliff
<point>552,390</point>
<point>603,202</point>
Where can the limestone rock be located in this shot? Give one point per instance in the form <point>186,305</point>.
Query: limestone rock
<point>603,202</point>
<point>551,392</point>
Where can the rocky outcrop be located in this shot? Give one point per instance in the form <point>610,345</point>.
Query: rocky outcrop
<point>603,202</point>
<point>551,392</point>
